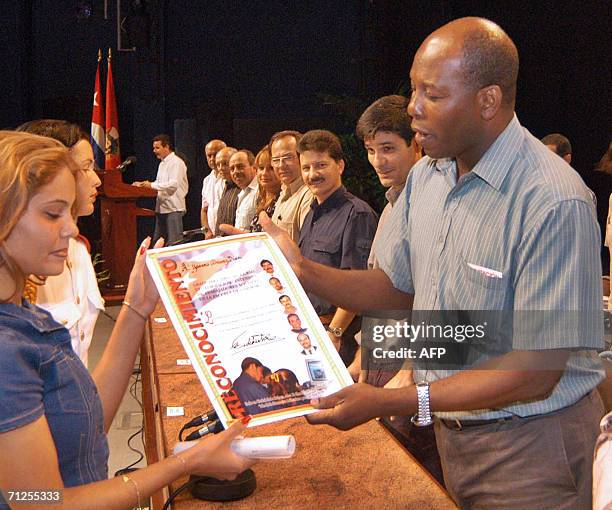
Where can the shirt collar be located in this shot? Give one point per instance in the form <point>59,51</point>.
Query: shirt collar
<point>229,184</point>
<point>393,194</point>
<point>294,187</point>
<point>38,318</point>
<point>495,163</point>
<point>250,188</point>
<point>336,198</point>
<point>254,184</point>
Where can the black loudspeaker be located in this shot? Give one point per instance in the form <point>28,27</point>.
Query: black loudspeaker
<point>185,146</point>
<point>211,489</point>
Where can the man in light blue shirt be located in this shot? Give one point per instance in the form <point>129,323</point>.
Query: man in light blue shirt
<point>490,220</point>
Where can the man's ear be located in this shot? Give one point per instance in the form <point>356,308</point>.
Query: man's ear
<point>341,166</point>
<point>490,101</point>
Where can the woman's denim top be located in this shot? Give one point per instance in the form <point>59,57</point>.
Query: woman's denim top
<point>41,374</point>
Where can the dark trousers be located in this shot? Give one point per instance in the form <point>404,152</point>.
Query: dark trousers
<point>169,226</point>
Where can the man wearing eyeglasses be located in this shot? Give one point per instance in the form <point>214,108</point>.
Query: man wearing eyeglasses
<point>295,198</point>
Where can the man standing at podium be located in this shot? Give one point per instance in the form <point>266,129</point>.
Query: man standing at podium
<point>172,186</point>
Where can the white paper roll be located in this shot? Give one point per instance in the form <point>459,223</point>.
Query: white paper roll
<point>265,447</point>
<point>270,447</point>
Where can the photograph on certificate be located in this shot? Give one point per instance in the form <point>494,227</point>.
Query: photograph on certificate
<point>248,327</point>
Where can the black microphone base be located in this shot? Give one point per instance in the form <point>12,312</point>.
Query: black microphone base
<point>211,489</point>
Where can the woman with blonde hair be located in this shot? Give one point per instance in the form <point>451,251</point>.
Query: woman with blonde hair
<point>53,414</point>
<point>269,186</point>
<point>72,297</point>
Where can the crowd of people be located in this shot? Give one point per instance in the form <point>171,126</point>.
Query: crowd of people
<point>489,219</point>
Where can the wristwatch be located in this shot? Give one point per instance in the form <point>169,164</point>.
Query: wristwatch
<point>423,417</point>
<point>337,332</point>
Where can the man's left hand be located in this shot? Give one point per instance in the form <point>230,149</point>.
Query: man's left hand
<point>348,407</point>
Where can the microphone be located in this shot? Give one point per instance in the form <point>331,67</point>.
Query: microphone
<point>212,428</point>
<point>187,234</point>
<point>209,415</point>
<point>129,161</point>
<point>193,232</point>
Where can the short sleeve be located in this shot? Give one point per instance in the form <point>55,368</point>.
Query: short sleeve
<point>21,386</point>
<point>559,272</point>
<point>357,239</point>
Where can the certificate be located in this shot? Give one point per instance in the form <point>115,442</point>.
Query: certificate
<point>247,326</point>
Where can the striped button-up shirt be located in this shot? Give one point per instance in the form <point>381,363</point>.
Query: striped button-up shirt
<point>226,212</point>
<point>518,232</point>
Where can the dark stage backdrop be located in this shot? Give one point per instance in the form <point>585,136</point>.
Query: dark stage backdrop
<point>241,70</point>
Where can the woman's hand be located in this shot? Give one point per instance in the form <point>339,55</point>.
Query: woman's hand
<point>212,456</point>
<point>141,292</point>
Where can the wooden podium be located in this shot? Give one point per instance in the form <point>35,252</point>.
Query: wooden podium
<point>119,214</point>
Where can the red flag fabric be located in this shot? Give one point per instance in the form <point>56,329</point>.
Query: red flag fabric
<point>113,155</point>
<point>98,141</point>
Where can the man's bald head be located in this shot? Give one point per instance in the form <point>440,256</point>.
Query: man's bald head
<point>463,81</point>
<point>214,146</point>
<point>211,150</point>
<point>489,57</point>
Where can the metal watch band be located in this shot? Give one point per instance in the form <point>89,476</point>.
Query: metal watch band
<point>423,418</point>
<point>335,331</point>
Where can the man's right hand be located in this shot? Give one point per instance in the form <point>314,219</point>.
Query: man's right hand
<point>285,243</point>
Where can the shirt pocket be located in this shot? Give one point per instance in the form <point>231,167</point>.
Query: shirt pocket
<point>483,289</point>
<point>70,384</point>
<point>66,313</point>
<point>327,250</point>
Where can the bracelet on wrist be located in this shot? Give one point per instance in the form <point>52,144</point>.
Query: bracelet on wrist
<point>126,479</point>
<point>140,314</point>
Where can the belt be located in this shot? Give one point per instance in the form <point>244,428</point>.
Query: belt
<point>457,424</point>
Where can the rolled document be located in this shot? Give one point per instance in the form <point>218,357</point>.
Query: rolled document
<point>265,447</point>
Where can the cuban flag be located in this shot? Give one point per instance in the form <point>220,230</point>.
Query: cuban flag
<point>97,120</point>
<point>113,156</point>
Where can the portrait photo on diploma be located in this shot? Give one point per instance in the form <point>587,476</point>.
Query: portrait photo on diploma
<point>249,358</point>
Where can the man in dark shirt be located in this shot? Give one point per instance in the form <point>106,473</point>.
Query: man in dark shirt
<point>338,230</point>
<point>249,385</point>
<point>229,197</point>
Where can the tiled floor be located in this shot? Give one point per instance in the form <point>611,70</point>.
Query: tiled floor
<point>129,416</point>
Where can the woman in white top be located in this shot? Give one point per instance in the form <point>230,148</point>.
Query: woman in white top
<point>73,297</point>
